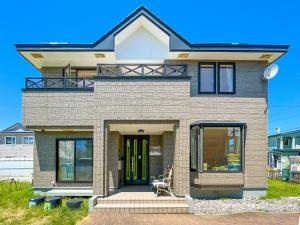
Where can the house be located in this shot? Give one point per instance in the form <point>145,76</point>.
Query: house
<point>282,145</point>
<point>16,151</point>
<point>116,112</point>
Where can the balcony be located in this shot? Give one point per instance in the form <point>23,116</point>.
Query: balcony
<point>60,82</point>
<point>141,70</point>
<point>107,70</point>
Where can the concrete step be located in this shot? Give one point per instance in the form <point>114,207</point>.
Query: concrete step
<point>70,192</point>
<point>143,208</point>
<point>141,201</point>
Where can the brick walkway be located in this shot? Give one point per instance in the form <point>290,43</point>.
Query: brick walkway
<point>186,219</point>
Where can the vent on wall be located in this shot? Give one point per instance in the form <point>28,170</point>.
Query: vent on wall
<point>265,56</point>
<point>183,55</point>
<point>99,55</point>
<point>37,55</point>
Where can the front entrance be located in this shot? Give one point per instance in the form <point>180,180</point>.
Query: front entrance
<point>136,150</point>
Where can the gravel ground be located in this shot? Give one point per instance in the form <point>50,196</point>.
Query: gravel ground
<point>229,206</point>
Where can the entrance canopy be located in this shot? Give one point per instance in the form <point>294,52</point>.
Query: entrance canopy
<point>141,128</point>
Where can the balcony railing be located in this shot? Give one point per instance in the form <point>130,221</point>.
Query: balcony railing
<point>141,70</point>
<point>107,70</point>
<point>61,82</point>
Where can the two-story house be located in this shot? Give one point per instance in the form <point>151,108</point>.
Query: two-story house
<point>282,145</point>
<point>16,151</point>
<point>116,112</point>
<point>16,141</point>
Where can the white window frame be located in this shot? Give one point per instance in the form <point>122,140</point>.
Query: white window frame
<point>11,137</point>
<point>23,142</point>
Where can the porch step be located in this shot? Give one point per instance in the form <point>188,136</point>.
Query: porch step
<point>142,201</point>
<point>144,208</point>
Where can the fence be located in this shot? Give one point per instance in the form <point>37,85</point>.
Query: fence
<point>16,167</point>
<point>284,174</point>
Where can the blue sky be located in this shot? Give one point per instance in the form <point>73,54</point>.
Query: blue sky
<point>255,21</point>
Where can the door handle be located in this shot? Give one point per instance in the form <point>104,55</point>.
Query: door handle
<point>132,166</point>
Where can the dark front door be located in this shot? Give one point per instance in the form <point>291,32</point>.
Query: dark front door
<point>136,159</point>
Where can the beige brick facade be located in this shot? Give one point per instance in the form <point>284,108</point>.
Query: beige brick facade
<point>152,100</point>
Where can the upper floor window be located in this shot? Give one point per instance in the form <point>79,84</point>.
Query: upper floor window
<point>207,78</point>
<point>287,142</point>
<point>278,143</point>
<point>209,82</point>
<point>297,142</point>
<point>10,140</point>
<point>28,140</point>
<point>226,78</point>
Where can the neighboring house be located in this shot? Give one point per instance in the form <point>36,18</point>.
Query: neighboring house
<point>16,151</point>
<point>282,145</point>
<point>117,111</point>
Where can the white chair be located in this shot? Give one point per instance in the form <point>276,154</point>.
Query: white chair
<point>164,184</point>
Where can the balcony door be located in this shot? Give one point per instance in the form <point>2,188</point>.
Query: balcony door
<point>136,159</point>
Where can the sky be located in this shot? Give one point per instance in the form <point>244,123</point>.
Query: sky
<point>230,21</point>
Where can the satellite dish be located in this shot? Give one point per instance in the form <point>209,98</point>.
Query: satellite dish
<point>271,71</point>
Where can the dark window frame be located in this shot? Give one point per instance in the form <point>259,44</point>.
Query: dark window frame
<point>57,160</point>
<point>219,64</point>
<point>297,138</point>
<point>13,138</point>
<point>290,142</point>
<point>197,151</point>
<point>200,152</point>
<point>214,64</point>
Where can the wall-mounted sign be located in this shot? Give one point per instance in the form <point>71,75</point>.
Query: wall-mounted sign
<point>154,150</point>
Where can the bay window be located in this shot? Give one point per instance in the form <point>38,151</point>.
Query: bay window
<point>74,160</point>
<point>194,148</point>
<point>217,147</point>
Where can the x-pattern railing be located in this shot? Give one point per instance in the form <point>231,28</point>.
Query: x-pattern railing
<point>141,70</point>
<point>62,82</point>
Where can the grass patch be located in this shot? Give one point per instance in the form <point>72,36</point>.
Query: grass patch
<point>14,208</point>
<point>279,189</point>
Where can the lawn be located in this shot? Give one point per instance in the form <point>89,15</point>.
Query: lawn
<point>278,189</point>
<point>14,210</point>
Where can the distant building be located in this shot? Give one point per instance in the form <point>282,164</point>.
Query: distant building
<point>16,142</point>
<point>282,145</point>
<point>16,152</point>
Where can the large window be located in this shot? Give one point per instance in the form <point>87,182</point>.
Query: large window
<point>217,147</point>
<point>207,78</point>
<point>74,160</point>
<point>226,78</point>
<point>10,140</point>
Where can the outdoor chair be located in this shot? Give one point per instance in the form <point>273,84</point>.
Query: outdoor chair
<point>163,183</point>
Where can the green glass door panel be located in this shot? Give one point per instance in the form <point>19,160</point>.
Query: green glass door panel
<point>144,159</point>
<point>136,159</point>
<point>128,168</point>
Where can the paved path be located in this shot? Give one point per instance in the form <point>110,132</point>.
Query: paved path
<point>185,219</point>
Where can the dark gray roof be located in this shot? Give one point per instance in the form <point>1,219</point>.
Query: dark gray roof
<point>16,128</point>
<point>177,42</point>
<point>292,131</point>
